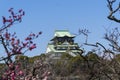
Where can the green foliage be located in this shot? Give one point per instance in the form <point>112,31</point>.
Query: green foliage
<point>77,59</point>
<point>22,57</point>
<point>74,63</point>
<point>117,57</point>
<point>2,66</point>
<point>32,59</point>
<point>42,56</point>
<point>92,56</point>
<point>66,56</point>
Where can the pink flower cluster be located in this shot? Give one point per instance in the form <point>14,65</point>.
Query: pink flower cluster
<point>14,45</point>
<point>14,17</point>
<point>13,72</point>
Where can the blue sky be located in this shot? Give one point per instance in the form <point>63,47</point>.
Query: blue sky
<point>50,15</point>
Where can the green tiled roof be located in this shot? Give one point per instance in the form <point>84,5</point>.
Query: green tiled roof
<point>53,50</point>
<point>62,33</point>
<point>51,47</point>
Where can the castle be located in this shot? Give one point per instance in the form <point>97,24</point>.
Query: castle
<point>63,42</point>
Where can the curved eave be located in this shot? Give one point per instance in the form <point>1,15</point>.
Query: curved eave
<point>62,36</point>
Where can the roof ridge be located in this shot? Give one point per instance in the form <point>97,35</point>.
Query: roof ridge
<point>61,30</point>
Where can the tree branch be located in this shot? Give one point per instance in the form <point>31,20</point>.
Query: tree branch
<point>113,11</point>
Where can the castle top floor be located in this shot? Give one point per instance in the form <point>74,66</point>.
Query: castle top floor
<point>60,34</point>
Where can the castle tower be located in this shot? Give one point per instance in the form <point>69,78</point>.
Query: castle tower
<point>63,42</point>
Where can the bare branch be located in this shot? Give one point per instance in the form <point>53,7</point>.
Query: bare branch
<point>113,37</point>
<point>85,32</point>
<point>113,11</point>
